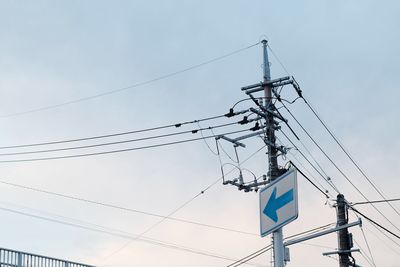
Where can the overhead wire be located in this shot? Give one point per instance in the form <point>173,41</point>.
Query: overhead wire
<point>122,208</point>
<point>362,251</point>
<point>341,146</point>
<point>183,205</point>
<point>382,240</point>
<point>205,141</point>
<point>121,234</point>
<point>330,131</point>
<point>375,201</point>
<point>173,125</point>
<point>374,222</point>
<point>367,259</point>
<point>162,77</point>
<point>350,157</point>
<point>269,247</point>
<point>194,131</point>
<point>316,229</point>
<point>337,167</point>
<point>117,150</point>
<point>368,247</point>
<point>309,180</point>
<point>309,162</point>
<point>309,173</point>
<point>250,257</point>
<point>379,237</point>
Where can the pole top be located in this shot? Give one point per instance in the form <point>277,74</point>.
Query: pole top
<point>264,41</point>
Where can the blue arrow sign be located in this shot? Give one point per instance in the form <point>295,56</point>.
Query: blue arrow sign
<point>275,203</point>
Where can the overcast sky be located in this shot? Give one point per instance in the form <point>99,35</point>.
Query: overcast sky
<point>344,54</point>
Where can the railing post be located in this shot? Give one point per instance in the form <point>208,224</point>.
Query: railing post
<point>19,259</point>
<point>66,264</point>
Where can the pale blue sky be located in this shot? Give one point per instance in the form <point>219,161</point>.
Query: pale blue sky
<point>343,53</point>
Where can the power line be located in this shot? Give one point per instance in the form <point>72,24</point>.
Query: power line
<point>183,205</point>
<point>194,131</point>
<point>152,226</point>
<point>309,162</point>
<point>162,77</point>
<point>310,174</point>
<point>336,166</point>
<point>250,257</point>
<point>369,248</point>
<point>375,201</point>
<point>108,205</point>
<point>374,222</point>
<point>121,234</point>
<point>267,248</point>
<point>174,125</point>
<point>381,239</point>
<point>308,179</point>
<point>349,156</point>
<point>116,151</point>
<point>362,251</point>
<point>320,228</point>
<point>367,259</point>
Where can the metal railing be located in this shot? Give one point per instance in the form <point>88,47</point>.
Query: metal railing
<point>13,258</point>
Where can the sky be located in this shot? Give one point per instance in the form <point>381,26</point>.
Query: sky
<point>344,54</point>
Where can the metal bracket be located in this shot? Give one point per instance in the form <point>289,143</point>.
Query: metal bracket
<point>236,143</point>
<point>260,86</point>
<point>340,252</point>
<point>301,239</point>
<point>260,113</point>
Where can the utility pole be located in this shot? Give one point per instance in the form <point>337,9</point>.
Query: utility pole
<point>266,110</point>
<point>273,172</point>
<point>344,238</point>
<point>280,180</point>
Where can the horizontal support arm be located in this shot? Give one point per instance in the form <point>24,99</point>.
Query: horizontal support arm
<point>329,231</point>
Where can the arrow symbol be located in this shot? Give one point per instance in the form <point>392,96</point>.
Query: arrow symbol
<point>275,203</point>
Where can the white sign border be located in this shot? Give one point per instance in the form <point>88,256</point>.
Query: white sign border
<point>291,170</point>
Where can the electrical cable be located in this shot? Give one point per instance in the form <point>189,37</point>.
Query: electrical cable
<point>120,234</point>
<point>205,141</point>
<point>349,156</point>
<point>308,179</point>
<point>162,77</point>
<point>120,142</point>
<point>226,153</point>
<point>375,201</point>
<point>250,257</point>
<point>320,228</point>
<point>368,247</point>
<point>279,61</point>
<point>310,174</point>
<point>113,206</point>
<point>363,252</point>
<point>382,240</point>
<point>341,146</point>
<point>374,222</point>
<point>367,259</point>
<point>336,166</point>
<point>267,248</point>
<point>182,206</point>
<point>309,162</point>
<point>175,125</point>
<point>117,150</point>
